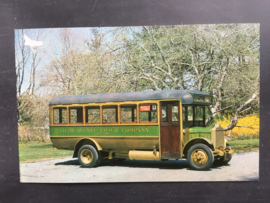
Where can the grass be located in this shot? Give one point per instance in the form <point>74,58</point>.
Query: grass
<point>241,146</point>
<point>40,150</point>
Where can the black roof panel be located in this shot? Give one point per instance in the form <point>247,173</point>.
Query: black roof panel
<point>184,95</point>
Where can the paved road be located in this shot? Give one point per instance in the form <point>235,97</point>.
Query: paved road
<point>243,167</point>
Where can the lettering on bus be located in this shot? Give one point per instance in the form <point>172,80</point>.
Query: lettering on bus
<point>103,130</point>
<point>135,130</point>
<point>63,130</point>
<point>96,130</point>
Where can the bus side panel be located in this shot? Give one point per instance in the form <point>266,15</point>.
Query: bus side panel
<point>108,143</point>
<point>108,137</point>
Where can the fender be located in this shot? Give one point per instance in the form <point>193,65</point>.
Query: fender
<point>195,141</point>
<point>199,138</point>
<point>99,148</point>
<point>81,141</point>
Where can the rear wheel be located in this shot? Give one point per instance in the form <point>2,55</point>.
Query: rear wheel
<point>200,157</point>
<point>88,156</point>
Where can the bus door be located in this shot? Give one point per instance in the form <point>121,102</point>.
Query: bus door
<point>170,129</point>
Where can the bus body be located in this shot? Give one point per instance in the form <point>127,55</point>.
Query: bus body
<point>149,125</point>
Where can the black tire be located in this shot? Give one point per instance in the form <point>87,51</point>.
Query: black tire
<point>200,157</point>
<point>88,156</point>
<point>99,159</point>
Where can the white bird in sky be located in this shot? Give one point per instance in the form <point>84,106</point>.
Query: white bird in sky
<point>31,43</point>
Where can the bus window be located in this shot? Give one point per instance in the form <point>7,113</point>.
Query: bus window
<point>164,111</point>
<point>198,113</point>
<point>92,114</point>
<point>128,113</point>
<point>60,115</point>
<point>175,115</point>
<point>193,116</point>
<point>148,113</point>
<point>76,115</point>
<point>109,114</point>
<point>190,113</point>
<point>184,113</point>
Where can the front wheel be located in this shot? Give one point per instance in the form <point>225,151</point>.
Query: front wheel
<point>200,157</point>
<point>88,156</point>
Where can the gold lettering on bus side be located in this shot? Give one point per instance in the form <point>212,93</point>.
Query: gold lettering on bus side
<point>62,130</point>
<point>143,130</point>
<point>146,129</point>
<point>116,130</point>
<point>138,130</point>
<point>56,131</point>
<point>70,130</point>
<point>79,130</point>
<point>110,129</point>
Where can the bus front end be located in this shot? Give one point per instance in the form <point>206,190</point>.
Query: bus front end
<point>221,149</point>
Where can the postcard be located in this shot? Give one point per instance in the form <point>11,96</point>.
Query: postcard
<point>174,103</point>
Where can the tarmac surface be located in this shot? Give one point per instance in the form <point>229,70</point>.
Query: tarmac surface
<point>242,167</point>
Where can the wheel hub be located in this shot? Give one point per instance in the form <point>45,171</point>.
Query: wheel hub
<point>86,156</point>
<point>199,157</point>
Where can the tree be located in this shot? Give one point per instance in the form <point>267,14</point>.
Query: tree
<point>222,60</point>
<point>27,63</point>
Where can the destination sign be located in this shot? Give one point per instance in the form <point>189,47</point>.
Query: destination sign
<point>200,98</point>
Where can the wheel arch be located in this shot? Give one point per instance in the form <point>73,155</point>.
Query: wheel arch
<point>197,140</point>
<point>85,141</point>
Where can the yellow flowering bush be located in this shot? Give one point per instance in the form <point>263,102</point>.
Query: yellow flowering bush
<point>246,126</point>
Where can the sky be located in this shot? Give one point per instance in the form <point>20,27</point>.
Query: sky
<point>52,46</point>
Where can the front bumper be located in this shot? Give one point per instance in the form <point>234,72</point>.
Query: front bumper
<point>223,153</point>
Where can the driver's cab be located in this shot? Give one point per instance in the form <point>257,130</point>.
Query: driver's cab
<point>193,116</point>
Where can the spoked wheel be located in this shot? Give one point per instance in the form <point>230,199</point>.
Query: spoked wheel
<point>200,157</point>
<point>88,156</point>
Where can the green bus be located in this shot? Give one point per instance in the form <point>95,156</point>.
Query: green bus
<point>149,125</point>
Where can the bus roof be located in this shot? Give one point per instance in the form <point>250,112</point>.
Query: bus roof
<point>186,96</point>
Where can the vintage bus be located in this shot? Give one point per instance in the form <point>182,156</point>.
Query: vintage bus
<point>149,125</point>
